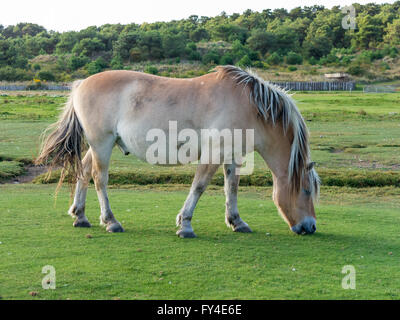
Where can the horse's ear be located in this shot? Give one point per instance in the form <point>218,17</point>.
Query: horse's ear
<point>310,166</point>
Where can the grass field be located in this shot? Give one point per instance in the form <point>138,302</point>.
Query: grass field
<point>355,140</point>
<point>149,262</point>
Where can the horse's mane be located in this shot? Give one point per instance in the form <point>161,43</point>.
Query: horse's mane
<point>276,105</point>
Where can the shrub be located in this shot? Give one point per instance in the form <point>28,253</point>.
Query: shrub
<point>294,58</point>
<point>313,61</point>
<point>46,76</point>
<point>14,74</point>
<point>356,70</point>
<point>194,55</point>
<point>76,62</point>
<point>274,59</point>
<point>211,57</point>
<point>97,66</point>
<point>117,63</point>
<point>227,58</point>
<point>292,68</point>
<point>260,64</point>
<point>346,60</point>
<point>151,70</point>
<point>244,62</point>
<point>36,84</point>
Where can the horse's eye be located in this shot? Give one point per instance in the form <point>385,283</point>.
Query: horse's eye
<point>307,192</point>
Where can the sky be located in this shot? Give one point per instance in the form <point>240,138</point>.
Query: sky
<point>69,15</point>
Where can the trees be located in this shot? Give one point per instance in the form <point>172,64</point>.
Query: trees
<point>248,38</point>
<point>173,44</point>
<point>262,41</point>
<point>88,47</point>
<point>370,31</point>
<point>392,35</point>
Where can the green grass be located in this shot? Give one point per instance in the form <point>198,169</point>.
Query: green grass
<point>10,169</point>
<point>148,261</point>
<point>355,139</point>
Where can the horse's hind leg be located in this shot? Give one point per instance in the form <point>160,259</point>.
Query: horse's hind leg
<point>100,159</point>
<point>232,218</point>
<point>203,176</point>
<point>77,210</point>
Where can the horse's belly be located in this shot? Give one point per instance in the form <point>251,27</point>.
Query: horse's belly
<point>159,146</point>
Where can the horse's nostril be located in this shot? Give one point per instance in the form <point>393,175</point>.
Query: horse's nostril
<point>313,228</point>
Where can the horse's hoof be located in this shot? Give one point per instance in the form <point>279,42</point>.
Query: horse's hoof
<point>185,234</point>
<point>83,223</point>
<point>244,228</point>
<point>115,227</point>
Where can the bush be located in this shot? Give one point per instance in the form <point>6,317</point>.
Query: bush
<point>292,68</point>
<point>294,58</point>
<point>14,74</point>
<point>46,76</point>
<point>151,70</point>
<point>313,61</point>
<point>97,66</point>
<point>274,59</point>
<point>356,70</point>
<point>76,62</point>
<point>117,63</point>
<point>346,60</point>
<point>226,59</point>
<point>260,64</point>
<point>36,84</point>
<point>194,55</point>
<point>191,51</point>
<point>211,57</point>
<point>244,62</point>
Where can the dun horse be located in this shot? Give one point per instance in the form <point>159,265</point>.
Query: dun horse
<point>120,107</point>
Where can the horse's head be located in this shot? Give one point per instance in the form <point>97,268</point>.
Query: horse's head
<point>297,209</point>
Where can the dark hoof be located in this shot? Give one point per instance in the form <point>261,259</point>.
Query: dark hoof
<point>115,227</point>
<point>185,234</point>
<point>243,229</point>
<point>81,224</point>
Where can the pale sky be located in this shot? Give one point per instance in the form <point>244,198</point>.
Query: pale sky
<point>67,15</point>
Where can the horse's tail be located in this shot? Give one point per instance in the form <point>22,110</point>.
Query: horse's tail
<point>62,148</point>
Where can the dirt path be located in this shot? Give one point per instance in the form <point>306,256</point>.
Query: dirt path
<point>31,173</point>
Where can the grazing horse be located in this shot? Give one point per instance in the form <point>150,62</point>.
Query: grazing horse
<point>121,107</point>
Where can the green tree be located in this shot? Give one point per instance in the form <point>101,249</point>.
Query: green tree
<point>370,31</point>
<point>262,41</point>
<point>392,35</point>
<point>173,45</point>
<point>97,66</point>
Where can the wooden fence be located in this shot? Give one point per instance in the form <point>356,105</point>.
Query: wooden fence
<point>294,86</point>
<point>317,86</point>
<point>19,87</point>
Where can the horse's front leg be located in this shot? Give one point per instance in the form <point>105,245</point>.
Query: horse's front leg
<point>232,218</point>
<point>77,210</point>
<point>202,178</point>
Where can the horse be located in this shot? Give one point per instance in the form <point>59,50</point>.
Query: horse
<point>119,107</point>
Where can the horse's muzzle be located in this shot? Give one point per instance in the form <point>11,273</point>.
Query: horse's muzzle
<point>307,226</point>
